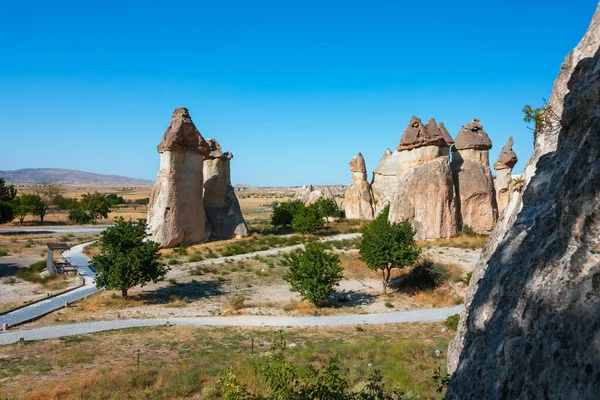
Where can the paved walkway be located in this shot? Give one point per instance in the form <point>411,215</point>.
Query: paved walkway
<point>55,229</point>
<point>77,259</point>
<point>56,331</point>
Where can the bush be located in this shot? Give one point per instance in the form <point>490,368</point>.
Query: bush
<point>237,302</point>
<point>468,278</point>
<point>3,252</point>
<point>468,231</point>
<point>78,215</point>
<point>194,258</point>
<point>284,213</point>
<point>452,321</point>
<point>326,208</point>
<point>307,220</point>
<point>313,273</point>
<point>32,274</point>
<point>181,249</point>
<point>426,275</point>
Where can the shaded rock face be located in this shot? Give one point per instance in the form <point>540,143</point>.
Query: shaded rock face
<point>504,166</point>
<point>358,202</point>
<point>473,180</point>
<point>531,324</point>
<point>383,184</point>
<point>309,194</point>
<point>424,185</point>
<point>176,213</point>
<point>223,212</point>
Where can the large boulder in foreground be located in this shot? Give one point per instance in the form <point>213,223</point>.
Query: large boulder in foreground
<point>424,186</point>
<point>531,324</point>
<point>223,212</point>
<point>475,190</point>
<point>358,201</point>
<point>176,212</point>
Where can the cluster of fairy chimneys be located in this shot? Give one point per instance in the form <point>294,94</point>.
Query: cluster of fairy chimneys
<point>441,185</point>
<point>192,200</point>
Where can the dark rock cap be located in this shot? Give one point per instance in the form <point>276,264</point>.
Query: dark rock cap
<point>417,135</point>
<point>215,150</point>
<point>472,136</point>
<point>357,164</point>
<point>507,158</point>
<point>182,135</point>
<point>445,134</point>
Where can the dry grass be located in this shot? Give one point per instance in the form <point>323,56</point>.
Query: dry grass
<point>462,241</point>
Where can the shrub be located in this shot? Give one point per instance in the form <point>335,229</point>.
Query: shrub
<point>468,278</point>
<point>389,305</point>
<point>452,321</point>
<point>194,258</point>
<point>326,208</point>
<point>181,249</point>
<point>284,213</point>
<point>468,231</point>
<point>307,220</point>
<point>313,272</point>
<point>426,275</point>
<point>3,252</point>
<point>32,273</point>
<point>237,302</point>
<point>78,215</point>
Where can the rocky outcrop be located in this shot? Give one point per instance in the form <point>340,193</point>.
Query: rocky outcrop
<point>384,182</point>
<point>223,212</point>
<point>309,194</point>
<point>358,202</point>
<point>504,166</point>
<point>532,312</point>
<point>176,213</point>
<point>473,180</point>
<point>424,186</point>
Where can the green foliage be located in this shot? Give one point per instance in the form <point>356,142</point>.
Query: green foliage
<point>31,274</point>
<point>535,115</point>
<point>468,231</point>
<point>284,213</point>
<point>47,192</point>
<point>313,272</point>
<point>426,275</point>
<point>385,246</point>
<point>468,278</point>
<point>95,204</point>
<point>115,200</point>
<point>182,249</point>
<point>307,220</point>
<point>64,203</point>
<point>452,321</point>
<point>78,215</point>
<point>126,258</point>
<point>326,208</point>
<point>23,205</point>
<point>441,378</point>
<point>7,194</point>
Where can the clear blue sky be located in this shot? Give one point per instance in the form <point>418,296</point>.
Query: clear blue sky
<point>293,88</point>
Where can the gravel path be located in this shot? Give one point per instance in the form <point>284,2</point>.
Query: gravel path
<point>77,259</point>
<point>50,332</point>
<point>55,229</point>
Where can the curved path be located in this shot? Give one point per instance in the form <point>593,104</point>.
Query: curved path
<point>40,308</point>
<point>56,331</point>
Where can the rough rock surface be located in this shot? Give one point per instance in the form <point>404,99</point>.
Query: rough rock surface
<point>384,182</point>
<point>176,213</point>
<point>445,134</point>
<point>424,186</point>
<point>223,212</point>
<point>532,317</point>
<point>310,194</point>
<point>473,180</point>
<point>504,166</point>
<point>358,201</point>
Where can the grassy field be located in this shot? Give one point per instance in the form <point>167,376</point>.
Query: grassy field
<point>187,362</point>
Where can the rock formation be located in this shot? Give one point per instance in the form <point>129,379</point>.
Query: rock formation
<point>504,166</point>
<point>424,185</point>
<point>358,202</point>
<point>532,312</point>
<point>176,212</point>
<point>223,212</point>
<point>309,194</point>
<point>473,180</point>
<point>384,182</point>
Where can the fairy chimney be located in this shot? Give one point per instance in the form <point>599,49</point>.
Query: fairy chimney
<point>358,201</point>
<point>504,166</point>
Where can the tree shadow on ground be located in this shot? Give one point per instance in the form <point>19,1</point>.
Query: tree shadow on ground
<point>351,298</point>
<point>9,269</point>
<point>190,290</point>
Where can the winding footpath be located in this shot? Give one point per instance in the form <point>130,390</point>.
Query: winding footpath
<point>40,308</point>
<point>56,331</point>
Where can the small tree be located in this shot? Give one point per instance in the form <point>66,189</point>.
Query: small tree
<point>313,272</point>
<point>47,192</point>
<point>7,194</point>
<point>385,246</point>
<point>96,205</point>
<point>24,205</point>
<point>126,258</point>
<point>326,207</point>
<point>307,220</point>
<point>284,213</point>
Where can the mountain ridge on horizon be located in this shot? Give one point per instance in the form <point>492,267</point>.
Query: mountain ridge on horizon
<point>67,176</point>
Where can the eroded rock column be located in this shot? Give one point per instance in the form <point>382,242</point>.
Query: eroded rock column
<point>358,201</point>
<point>504,166</point>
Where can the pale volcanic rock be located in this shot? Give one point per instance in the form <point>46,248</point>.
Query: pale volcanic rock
<point>310,194</point>
<point>223,212</point>
<point>477,207</point>
<point>424,184</point>
<point>532,311</point>
<point>383,184</point>
<point>503,166</point>
<point>176,213</point>
<point>358,201</point>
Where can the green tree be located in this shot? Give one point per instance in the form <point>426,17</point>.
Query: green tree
<point>95,204</point>
<point>307,220</point>
<point>64,203</point>
<point>78,215</point>
<point>386,245</point>
<point>313,272</point>
<point>47,193</point>
<point>24,205</point>
<point>7,194</point>
<point>326,207</point>
<point>115,199</point>
<point>127,258</point>
<point>284,213</point>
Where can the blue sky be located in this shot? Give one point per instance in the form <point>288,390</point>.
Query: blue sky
<point>293,88</point>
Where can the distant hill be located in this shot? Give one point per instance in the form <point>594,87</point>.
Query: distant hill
<point>67,176</point>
